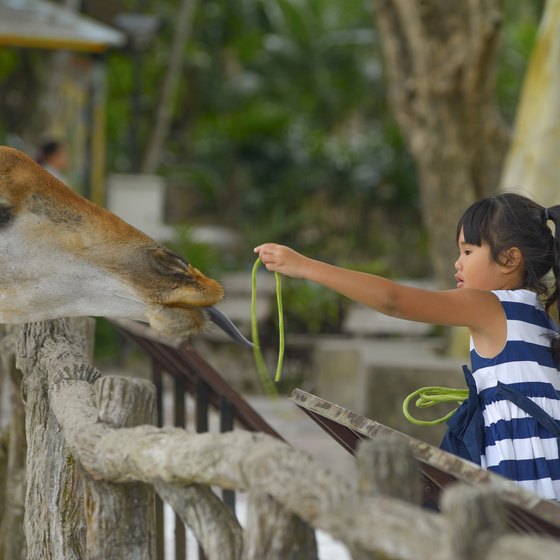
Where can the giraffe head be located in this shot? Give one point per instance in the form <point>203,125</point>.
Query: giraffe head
<point>63,256</point>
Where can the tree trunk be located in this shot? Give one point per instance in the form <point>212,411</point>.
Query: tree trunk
<point>154,153</point>
<point>440,62</point>
<point>532,163</point>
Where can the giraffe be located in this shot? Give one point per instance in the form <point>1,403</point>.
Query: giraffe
<point>63,256</point>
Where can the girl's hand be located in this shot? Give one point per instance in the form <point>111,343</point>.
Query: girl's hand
<point>282,259</point>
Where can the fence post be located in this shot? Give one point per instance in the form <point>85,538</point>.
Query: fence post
<point>476,516</point>
<point>121,517</point>
<point>54,515</point>
<point>386,467</point>
<point>215,526</point>
<point>12,537</point>
<point>3,484</point>
<point>274,533</point>
<point>13,503</point>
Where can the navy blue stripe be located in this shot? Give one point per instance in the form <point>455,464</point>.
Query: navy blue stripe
<point>520,351</point>
<point>516,351</point>
<point>518,428</point>
<point>529,389</point>
<point>516,311</point>
<point>529,469</point>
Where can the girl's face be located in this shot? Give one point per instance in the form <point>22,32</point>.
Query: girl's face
<point>477,269</point>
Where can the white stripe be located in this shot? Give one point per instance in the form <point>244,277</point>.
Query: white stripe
<point>506,410</point>
<point>517,296</point>
<point>545,487</point>
<point>520,450</point>
<point>527,332</point>
<point>515,372</point>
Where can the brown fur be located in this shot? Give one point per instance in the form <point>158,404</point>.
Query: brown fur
<point>89,232</point>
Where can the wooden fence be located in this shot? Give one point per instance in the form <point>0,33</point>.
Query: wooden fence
<point>95,461</point>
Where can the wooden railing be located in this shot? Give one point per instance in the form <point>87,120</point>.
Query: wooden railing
<point>527,513</point>
<point>188,373</point>
<point>94,463</point>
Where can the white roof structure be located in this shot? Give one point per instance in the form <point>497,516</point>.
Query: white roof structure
<point>44,25</point>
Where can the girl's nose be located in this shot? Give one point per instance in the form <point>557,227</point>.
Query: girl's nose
<point>458,264</point>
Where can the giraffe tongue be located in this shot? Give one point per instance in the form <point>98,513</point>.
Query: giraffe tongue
<point>220,320</point>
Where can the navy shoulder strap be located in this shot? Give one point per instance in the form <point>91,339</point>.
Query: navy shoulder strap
<point>532,409</point>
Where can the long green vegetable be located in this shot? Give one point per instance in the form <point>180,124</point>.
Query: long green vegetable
<point>430,396</point>
<point>257,353</point>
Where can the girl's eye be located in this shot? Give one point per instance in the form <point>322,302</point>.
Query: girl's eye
<point>468,252</point>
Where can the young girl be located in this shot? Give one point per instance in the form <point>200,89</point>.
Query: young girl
<point>511,422</point>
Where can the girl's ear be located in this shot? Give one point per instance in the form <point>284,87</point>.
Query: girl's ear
<point>511,259</point>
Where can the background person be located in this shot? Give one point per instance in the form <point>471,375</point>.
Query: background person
<point>53,156</point>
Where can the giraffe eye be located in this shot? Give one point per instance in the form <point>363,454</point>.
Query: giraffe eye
<point>168,262</point>
<point>6,216</point>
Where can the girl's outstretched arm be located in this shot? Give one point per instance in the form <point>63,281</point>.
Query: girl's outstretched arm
<point>477,309</point>
<point>375,291</point>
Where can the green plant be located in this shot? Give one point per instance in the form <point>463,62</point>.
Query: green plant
<point>312,309</point>
<point>107,341</point>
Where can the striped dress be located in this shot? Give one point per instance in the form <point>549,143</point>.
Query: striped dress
<point>516,445</point>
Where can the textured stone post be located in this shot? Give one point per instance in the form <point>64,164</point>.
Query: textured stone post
<point>216,528</point>
<point>387,467</point>
<point>12,537</point>
<point>121,517</point>
<point>476,517</point>
<point>54,511</point>
<point>274,533</point>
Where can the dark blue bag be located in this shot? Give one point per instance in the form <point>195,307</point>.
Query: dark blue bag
<point>465,434</point>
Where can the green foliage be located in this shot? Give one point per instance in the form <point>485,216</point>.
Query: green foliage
<point>310,308</point>
<point>281,119</point>
<point>281,127</point>
<point>8,62</point>
<point>107,342</point>
<point>20,88</point>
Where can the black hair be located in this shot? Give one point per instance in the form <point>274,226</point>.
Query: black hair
<point>507,220</point>
<point>47,150</point>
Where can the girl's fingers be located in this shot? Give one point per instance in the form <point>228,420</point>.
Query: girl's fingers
<point>260,249</point>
